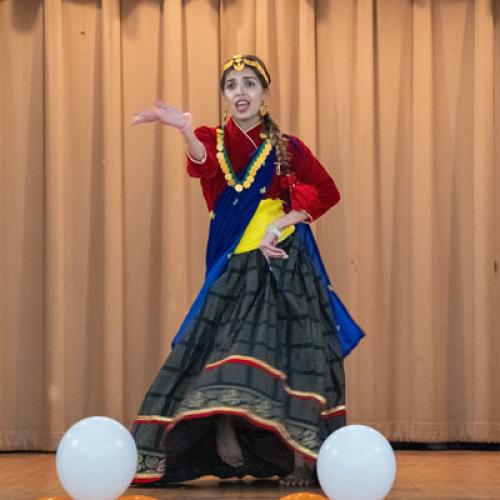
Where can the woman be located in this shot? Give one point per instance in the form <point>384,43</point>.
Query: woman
<point>255,380</point>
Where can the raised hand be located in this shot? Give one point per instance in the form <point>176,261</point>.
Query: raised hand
<point>171,116</point>
<point>163,113</point>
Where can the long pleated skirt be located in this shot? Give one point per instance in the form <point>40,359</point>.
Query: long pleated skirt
<point>264,349</point>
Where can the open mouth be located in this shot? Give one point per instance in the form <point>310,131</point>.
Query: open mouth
<point>242,105</point>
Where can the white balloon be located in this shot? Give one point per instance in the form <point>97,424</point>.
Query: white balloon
<point>356,462</point>
<point>96,459</point>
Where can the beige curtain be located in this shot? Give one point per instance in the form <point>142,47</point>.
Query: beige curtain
<point>102,233</point>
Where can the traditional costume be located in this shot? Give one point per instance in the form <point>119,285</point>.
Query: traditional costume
<point>264,341</point>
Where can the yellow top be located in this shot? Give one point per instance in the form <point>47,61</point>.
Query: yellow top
<point>267,212</point>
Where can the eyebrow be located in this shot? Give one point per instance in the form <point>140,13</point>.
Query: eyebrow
<point>244,78</point>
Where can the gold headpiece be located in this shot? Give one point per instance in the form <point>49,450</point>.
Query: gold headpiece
<point>239,61</point>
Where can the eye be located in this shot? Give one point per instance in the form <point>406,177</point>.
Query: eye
<point>230,85</point>
<point>250,83</point>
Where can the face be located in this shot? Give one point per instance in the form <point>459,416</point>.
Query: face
<point>244,94</point>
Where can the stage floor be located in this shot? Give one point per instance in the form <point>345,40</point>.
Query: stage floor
<point>422,475</point>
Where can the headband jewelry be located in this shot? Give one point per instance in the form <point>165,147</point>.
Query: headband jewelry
<point>238,62</point>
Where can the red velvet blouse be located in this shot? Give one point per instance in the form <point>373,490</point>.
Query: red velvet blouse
<point>240,147</point>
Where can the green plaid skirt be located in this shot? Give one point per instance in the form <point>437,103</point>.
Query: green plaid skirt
<point>264,349</point>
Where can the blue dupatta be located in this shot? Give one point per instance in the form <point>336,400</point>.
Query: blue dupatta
<point>348,331</point>
<point>231,216</point>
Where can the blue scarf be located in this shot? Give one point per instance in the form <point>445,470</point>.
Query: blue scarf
<point>232,214</point>
<point>349,333</point>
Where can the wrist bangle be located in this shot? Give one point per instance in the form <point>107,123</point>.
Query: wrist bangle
<point>271,228</point>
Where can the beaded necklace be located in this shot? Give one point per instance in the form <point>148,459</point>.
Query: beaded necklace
<point>225,164</point>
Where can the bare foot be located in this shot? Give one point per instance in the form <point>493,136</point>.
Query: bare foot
<point>228,446</point>
<point>301,476</point>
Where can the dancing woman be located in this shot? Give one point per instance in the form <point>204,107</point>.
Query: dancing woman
<point>255,379</point>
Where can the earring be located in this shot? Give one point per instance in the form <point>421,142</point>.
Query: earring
<point>224,115</point>
<point>263,109</point>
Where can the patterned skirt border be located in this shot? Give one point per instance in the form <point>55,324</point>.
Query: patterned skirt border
<point>269,425</point>
<point>279,375</point>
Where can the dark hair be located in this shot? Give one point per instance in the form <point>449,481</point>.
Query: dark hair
<point>271,128</point>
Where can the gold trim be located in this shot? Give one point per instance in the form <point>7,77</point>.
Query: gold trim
<point>333,410</point>
<point>276,426</point>
<point>247,358</point>
<point>273,425</point>
<point>314,395</point>
<point>152,417</point>
<point>280,374</point>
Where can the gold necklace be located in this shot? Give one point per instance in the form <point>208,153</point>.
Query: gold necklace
<point>225,164</point>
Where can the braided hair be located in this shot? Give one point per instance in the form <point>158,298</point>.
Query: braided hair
<point>272,130</point>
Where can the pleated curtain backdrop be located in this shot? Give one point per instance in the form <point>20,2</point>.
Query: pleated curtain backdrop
<point>102,233</point>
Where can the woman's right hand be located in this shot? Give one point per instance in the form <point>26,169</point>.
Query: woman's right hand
<point>165,114</point>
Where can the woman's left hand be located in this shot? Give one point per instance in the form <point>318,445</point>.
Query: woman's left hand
<point>269,249</point>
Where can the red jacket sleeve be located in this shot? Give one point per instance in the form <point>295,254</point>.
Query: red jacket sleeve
<point>208,168</point>
<point>315,190</point>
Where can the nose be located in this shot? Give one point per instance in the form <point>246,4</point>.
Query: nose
<point>240,87</point>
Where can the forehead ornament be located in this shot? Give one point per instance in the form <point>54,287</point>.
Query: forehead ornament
<point>238,62</point>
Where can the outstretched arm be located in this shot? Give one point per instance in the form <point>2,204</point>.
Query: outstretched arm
<point>169,115</point>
